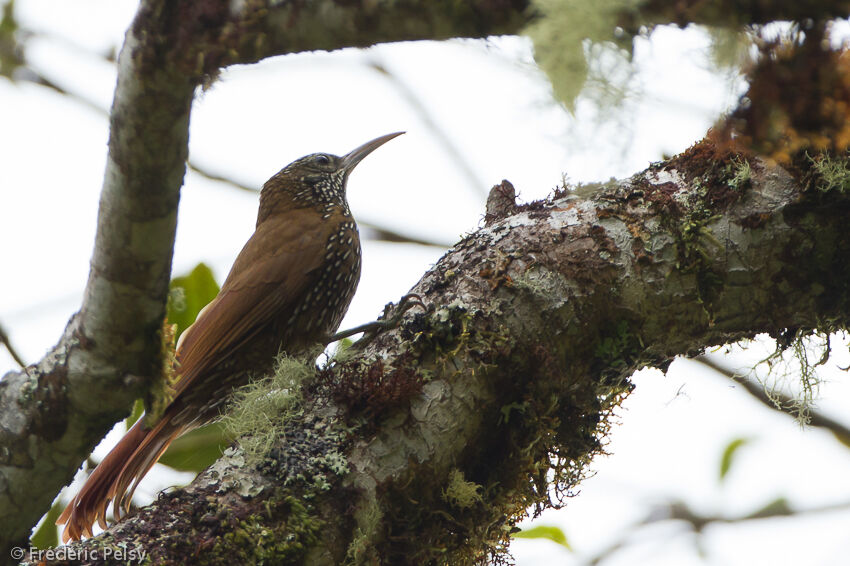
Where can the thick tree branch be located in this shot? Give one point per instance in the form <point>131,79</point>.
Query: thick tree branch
<point>52,414</point>
<point>428,442</point>
<point>55,412</point>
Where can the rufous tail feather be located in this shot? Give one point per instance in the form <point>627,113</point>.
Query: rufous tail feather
<point>127,463</point>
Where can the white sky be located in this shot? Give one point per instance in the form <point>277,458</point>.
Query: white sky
<point>496,109</point>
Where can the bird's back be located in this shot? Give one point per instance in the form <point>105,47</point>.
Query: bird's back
<point>288,290</point>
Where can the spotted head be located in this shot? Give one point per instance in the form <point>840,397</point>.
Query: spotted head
<point>316,180</point>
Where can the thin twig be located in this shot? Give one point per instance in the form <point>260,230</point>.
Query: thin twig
<point>454,153</point>
<point>372,231</point>
<point>679,511</point>
<point>4,338</point>
<point>778,401</point>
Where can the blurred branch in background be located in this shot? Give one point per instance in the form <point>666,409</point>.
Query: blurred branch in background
<point>13,64</point>
<point>675,510</point>
<point>779,401</point>
<point>370,231</point>
<point>444,140</point>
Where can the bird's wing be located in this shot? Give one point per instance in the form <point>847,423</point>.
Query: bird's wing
<point>253,295</point>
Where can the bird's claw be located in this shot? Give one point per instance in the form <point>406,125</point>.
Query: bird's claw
<point>406,303</point>
<point>386,322</point>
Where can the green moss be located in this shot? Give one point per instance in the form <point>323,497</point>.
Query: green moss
<point>319,464</point>
<point>833,171</point>
<point>361,549</point>
<point>545,441</point>
<point>262,410</point>
<point>797,356</point>
<point>448,329</point>
<point>620,349</point>
<point>251,541</point>
<point>693,237</point>
<point>461,493</point>
<point>161,392</point>
<point>740,173</point>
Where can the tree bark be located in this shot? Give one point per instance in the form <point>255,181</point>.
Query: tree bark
<point>427,443</point>
<point>110,353</point>
<point>459,420</point>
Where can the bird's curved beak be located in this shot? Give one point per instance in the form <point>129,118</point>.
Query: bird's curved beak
<point>352,158</point>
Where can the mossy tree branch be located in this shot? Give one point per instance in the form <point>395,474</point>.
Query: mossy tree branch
<point>426,443</point>
<point>54,412</point>
<point>110,350</point>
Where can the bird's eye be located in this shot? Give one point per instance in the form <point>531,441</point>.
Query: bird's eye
<point>321,159</point>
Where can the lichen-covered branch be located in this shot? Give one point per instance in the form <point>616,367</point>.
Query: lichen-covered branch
<point>53,413</point>
<point>427,443</point>
<point>739,13</point>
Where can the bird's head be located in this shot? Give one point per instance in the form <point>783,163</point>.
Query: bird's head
<point>317,179</point>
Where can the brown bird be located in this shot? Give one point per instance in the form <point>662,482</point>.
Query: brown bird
<point>287,291</point>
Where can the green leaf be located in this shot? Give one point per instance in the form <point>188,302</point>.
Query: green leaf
<point>729,455</point>
<point>344,345</point>
<point>10,46</point>
<point>195,451</point>
<point>189,294</point>
<point>779,507</point>
<point>138,411</point>
<point>554,534</point>
<point>46,536</point>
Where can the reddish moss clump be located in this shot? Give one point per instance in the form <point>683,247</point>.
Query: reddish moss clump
<point>373,389</point>
<point>661,197</point>
<point>711,165</point>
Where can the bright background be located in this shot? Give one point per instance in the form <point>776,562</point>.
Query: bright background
<point>475,112</point>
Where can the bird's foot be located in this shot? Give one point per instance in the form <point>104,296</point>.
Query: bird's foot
<point>386,321</point>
